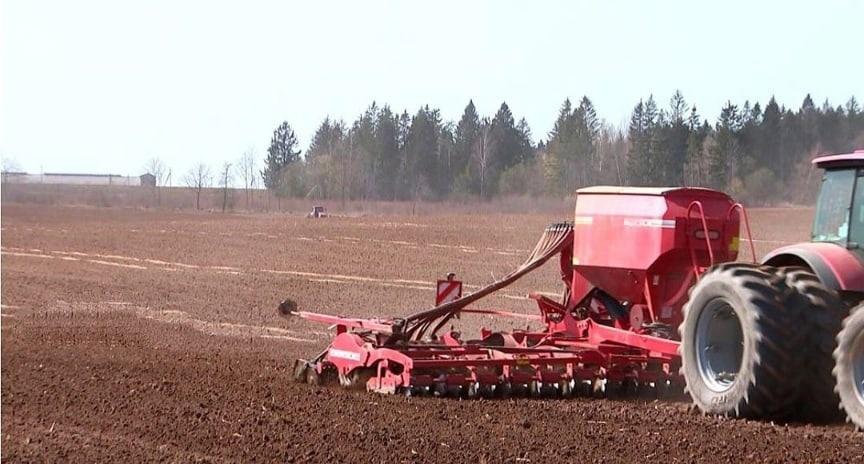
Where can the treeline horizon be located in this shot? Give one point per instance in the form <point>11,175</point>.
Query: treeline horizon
<point>757,154</point>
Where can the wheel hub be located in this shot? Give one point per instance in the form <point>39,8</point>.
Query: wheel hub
<point>719,345</point>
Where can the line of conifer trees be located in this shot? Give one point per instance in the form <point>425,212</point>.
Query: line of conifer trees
<point>756,154</point>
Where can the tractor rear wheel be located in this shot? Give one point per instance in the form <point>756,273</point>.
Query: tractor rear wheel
<point>822,314</point>
<point>849,367</point>
<point>740,343</point>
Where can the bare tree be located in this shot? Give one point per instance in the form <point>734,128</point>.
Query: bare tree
<point>225,181</point>
<point>198,178</point>
<point>156,167</point>
<point>9,166</point>
<point>246,169</point>
<point>481,152</point>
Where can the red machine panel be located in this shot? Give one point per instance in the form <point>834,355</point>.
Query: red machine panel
<point>644,245</point>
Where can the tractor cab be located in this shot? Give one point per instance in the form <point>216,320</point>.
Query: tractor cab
<point>836,250</point>
<point>840,208</point>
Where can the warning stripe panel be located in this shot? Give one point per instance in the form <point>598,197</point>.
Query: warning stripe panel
<point>448,290</point>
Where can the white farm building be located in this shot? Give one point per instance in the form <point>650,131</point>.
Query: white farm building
<point>75,179</point>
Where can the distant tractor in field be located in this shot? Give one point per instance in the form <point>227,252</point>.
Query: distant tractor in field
<point>317,212</point>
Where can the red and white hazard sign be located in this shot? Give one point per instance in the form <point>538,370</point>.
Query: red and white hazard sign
<point>447,291</point>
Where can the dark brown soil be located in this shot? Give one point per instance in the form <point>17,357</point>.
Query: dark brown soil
<point>123,342</point>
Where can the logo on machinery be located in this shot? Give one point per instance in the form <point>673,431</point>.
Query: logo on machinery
<point>650,222</point>
<point>343,354</point>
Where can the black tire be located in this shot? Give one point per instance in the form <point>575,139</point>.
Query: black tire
<point>299,373</point>
<point>849,352</point>
<point>822,312</point>
<point>759,336</point>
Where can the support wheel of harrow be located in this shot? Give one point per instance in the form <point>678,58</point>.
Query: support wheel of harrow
<point>299,374</point>
<point>849,367</point>
<point>742,344</point>
<point>822,313</point>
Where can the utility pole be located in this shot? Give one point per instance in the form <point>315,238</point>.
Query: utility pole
<point>225,186</point>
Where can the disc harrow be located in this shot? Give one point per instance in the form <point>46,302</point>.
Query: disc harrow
<point>586,348</point>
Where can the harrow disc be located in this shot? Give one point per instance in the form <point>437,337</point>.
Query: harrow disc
<point>487,391</point>
<point>566,388</point>
<point>548,390</point>
<point>299,374</point>
<point>504,390</point>
<point>534,389</point>
<point>312,377</point>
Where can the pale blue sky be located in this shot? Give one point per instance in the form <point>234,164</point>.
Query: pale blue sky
<point>101,86</point>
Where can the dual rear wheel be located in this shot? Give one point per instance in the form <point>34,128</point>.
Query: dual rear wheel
<point>741,343</point>
<point>759,342</point>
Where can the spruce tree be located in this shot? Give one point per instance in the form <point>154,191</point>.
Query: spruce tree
<point>637,154</point>
<point>559,163</point>
<point>282,152</point>
<point>724,154</point>
<point>586,128</point>
<point>675,140</point>
<point>467,131</point>
<point>387,160</point>
<point>767,153</point>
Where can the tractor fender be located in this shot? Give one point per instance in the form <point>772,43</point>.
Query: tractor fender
<point>837,267</point>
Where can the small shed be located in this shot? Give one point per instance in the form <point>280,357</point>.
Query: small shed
<point>148,180</point>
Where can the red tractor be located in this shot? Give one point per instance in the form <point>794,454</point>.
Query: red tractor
<point>828,273</point>
<point>653,300</point>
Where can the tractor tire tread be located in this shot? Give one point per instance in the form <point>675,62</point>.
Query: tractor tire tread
<point>822,313</point>
<point>850,405</point>
<point>767,391</point>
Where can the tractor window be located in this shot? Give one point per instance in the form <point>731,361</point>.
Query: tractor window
<point>856,230</point>
<point>832,210</point>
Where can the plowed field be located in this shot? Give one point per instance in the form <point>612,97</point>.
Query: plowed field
<point>133,335</point>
